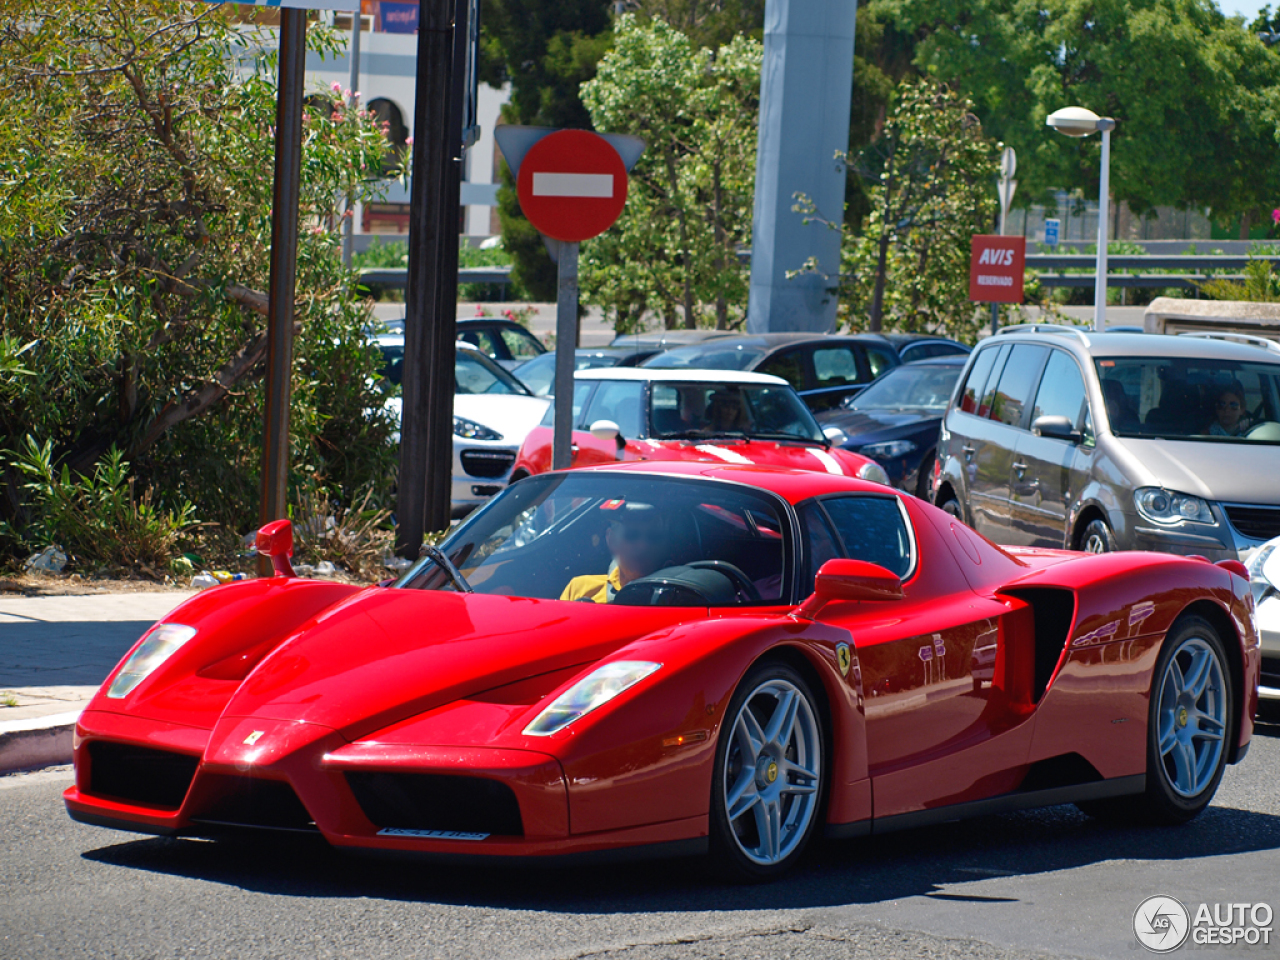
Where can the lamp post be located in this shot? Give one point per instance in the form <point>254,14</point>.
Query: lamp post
<point>1079,122</point>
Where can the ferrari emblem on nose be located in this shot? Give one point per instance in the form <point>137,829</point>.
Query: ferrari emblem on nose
<point>843,658</point>
<point>253,738</point>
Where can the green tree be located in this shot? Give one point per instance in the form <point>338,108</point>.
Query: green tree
<point>134,241</point>
<point>707,23</point>
<point>674,250</point>
<point>545,49</point>
<point>932,172</point>
<point>1192,91</point>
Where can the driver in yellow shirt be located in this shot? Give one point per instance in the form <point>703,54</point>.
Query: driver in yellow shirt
<point>637,537</point>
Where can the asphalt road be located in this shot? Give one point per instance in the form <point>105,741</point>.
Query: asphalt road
<point>1045,883</point>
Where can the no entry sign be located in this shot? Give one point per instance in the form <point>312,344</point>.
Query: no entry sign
<point>995,269</point>
<point>572,185</point>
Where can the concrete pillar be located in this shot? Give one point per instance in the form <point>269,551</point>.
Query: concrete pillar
<point>805,89</point>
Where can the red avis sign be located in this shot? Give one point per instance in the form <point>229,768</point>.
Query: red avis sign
<point>995,269</point>
<point>572,185</point>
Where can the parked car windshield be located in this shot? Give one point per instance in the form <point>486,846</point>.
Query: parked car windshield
<point>708,356</point>
<point>910,388</point>
<point>612,538</point>
<point>1203,399</point>
<point>539,374</point>
<point>476,374</point>
<point>762,411</point>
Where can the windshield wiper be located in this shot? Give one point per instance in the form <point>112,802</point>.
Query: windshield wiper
<point>445,564</point>
<point>705,435</point>
<point>792,438</point>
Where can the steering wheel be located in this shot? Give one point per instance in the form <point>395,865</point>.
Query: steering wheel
<point>658,587</point>
<point>1266,430</point>
<point>740,579</point>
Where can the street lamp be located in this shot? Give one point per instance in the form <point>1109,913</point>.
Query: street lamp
<point>1079,122</point>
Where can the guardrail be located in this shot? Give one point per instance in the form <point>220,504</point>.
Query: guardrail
<point>1195,269</point>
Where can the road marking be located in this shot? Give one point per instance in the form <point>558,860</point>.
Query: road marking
<point>573,184</point>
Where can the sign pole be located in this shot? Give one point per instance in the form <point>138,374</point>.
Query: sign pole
<point>566,341</point>
<point>349,228</point>
<point>284,267</point>
<point>1008,167</point>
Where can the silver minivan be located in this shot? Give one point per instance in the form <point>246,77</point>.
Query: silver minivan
<point>1058,437</point>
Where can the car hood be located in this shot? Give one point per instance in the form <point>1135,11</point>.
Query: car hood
<point>387,655</point>
<point>873,425</point>
<point>763,453</point>
<point>511,415</point>
<point>1232,472</point>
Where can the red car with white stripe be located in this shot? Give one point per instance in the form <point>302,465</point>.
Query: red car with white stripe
<point>709,416</point>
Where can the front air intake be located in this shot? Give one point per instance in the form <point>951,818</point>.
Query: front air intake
<point>152,778</point>
<point>424,801</point>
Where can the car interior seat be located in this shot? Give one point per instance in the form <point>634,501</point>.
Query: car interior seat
<point>1120,409</point>
<point>1179,408</point>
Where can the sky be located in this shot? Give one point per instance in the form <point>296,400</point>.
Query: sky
<point>1246,8</point>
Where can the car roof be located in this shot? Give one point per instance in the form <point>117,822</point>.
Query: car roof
<point>1140,345</point>
<point>772,341</point>
<point>946,360</point>
<point>678,375</point>
<point>792,485</point>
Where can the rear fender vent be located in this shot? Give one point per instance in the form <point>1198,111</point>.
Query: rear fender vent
<point>1055,611</point>
<point>425,801</point>
<point>153,778</point>
<point>1065,770</point>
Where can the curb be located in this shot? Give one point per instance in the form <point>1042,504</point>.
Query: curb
<point>39,742</point>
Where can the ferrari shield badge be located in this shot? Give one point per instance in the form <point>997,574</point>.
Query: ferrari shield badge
<point>843,658</point>
<point>254,737</point>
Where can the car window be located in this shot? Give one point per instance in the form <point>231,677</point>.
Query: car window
<point>1061,392</point>
<point>924,387</point>
<point>485,342</point>
<point>976,382</point>
<point>788,366</point>
<point>521,344</point>
<point>834,366</point>
<point>873,529</point>
<point>620,401</point>
<point>879,360</point>
<point>473,375</point>
<point>820,541</point>
<point>1017,380</point>
<point>696,410</point>
<point>581,389</point>
<point>707,356</point>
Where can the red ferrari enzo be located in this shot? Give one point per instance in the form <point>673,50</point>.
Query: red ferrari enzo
<point>707,416</point>
<point>679,657</point>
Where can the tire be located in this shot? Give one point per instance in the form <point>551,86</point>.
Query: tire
<point>1189,725</point>
<point>1098,538</point>
<point>922,477</point>
<point>951,506</point>
<point>768,789</point>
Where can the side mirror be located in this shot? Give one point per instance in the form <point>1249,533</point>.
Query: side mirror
<point>1056,427</point>
<point>850,580</point>
<point>835,436</point>
<point>275,540</point>
<point>605,430</point>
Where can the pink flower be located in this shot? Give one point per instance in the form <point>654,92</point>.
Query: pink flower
<point>1275,216</point>
<point>409,143</point>
<point>336,87</point>
<point>355,94</point>
<point>346,94</point>
<point>337,118</point>
<point>479,310</point>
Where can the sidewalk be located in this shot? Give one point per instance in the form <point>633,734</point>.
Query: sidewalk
<point>54,653</point>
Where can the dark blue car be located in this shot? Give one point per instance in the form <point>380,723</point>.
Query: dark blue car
<point>895,420</point>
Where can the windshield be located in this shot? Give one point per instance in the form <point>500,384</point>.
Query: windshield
<point>915,388</point>
<point>539,374</point>
<point>684,410</point>
<point>1203,399</point>
<point>709,356</point>
<point>471,373</point>
<point>630,540</point>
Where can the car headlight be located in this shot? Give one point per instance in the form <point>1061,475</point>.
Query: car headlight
<point>888,450</point>
<point>874,472</point>
<point>470,430</point>
<point>158,646</point>
<point>1258,561</point>
<point>594,690</point>
<point>1168,508</point>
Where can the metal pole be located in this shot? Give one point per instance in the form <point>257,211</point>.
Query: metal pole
<point>426,433</point>
<point>566,339</point>
<point>348,235</point>
<point>1104,188</point>
<point>284,264</point>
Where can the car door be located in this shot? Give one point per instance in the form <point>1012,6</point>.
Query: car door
<point>1044,469</point>
<point>986,465</point>
<point>930,725</point>
<point>1010,404</point>
<point>839,371</point>
<point>619,401</point>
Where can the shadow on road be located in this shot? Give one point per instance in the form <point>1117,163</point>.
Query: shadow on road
<point>891,867</point>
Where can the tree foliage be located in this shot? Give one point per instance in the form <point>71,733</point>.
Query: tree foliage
<point>674,249</point>
<point>1193,93</point>
<point>931,173</point>
<point>135,206</point>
